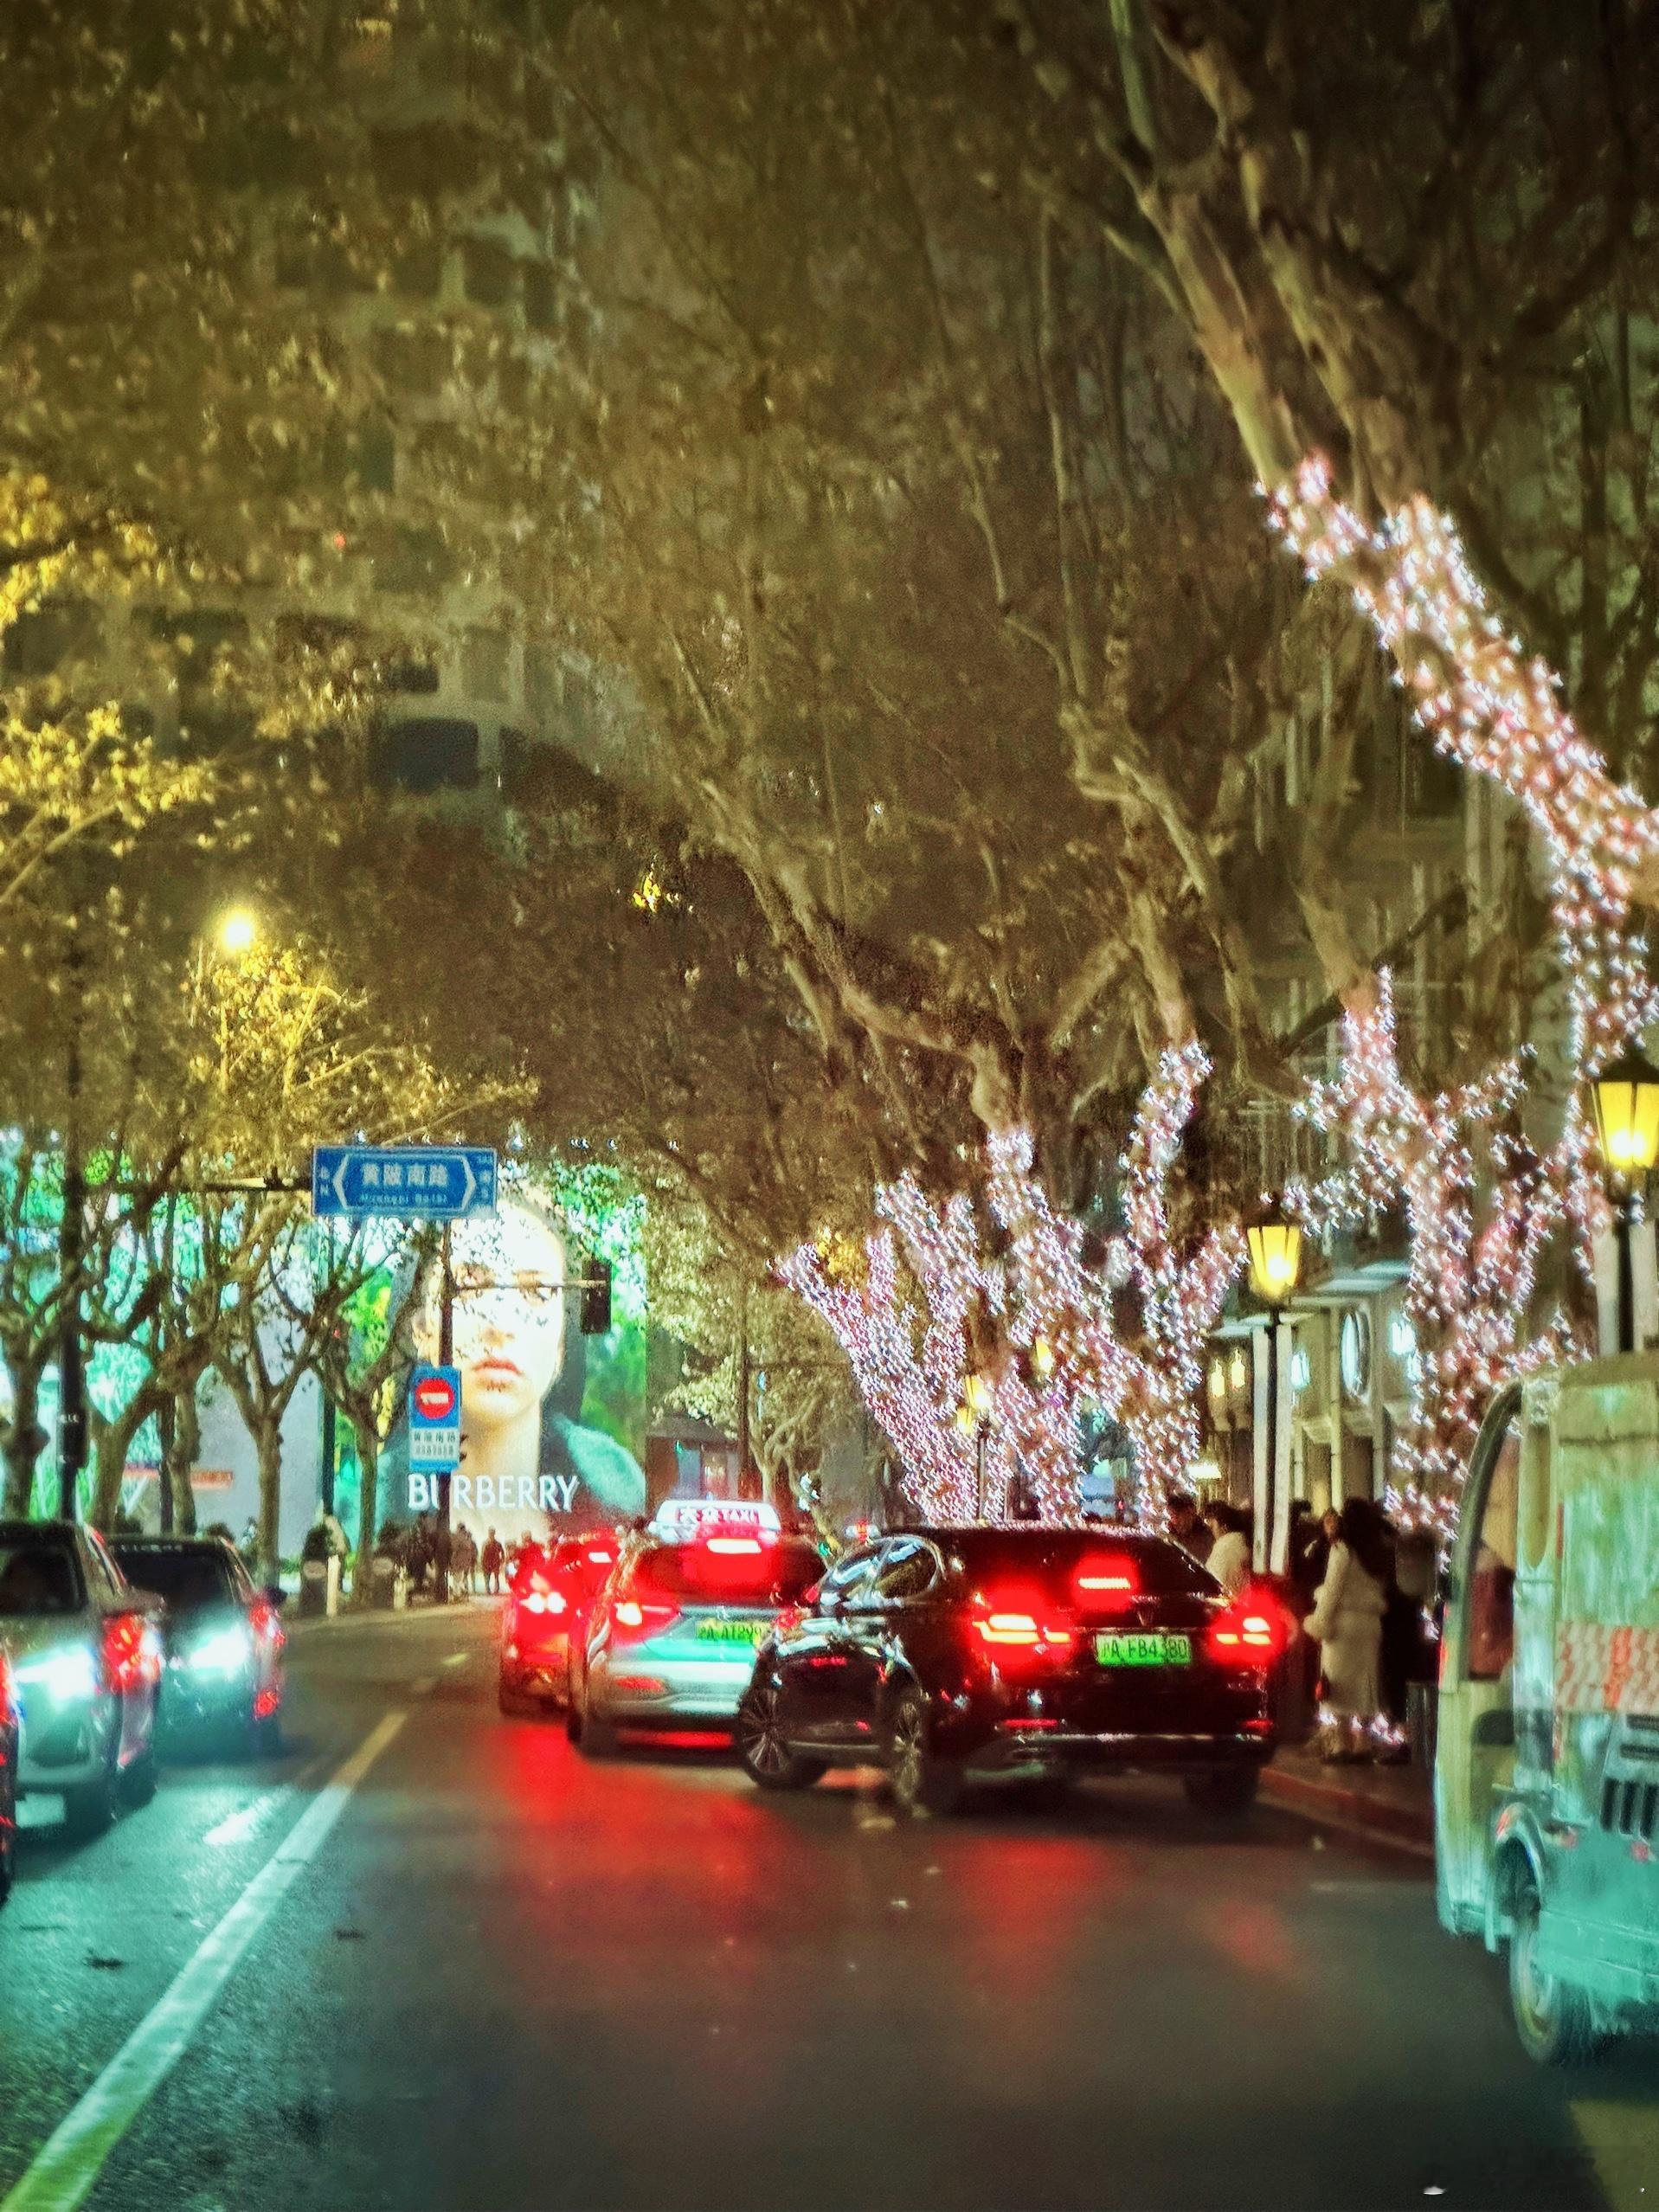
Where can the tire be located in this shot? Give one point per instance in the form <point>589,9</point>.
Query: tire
<point>8,1855</point>
<point>513,1703</point>
<point>90,1811</point>
<point>762,1751</point>
<point>139,1783</point>
<point>593,1739</point>
<point>268,1736</point>
<point>921,1780</point>
<point>1553,2019</point>
<point>1226,1792</point>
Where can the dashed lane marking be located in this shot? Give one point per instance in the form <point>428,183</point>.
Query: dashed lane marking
<point>237,1827</point>
<point>65,2169</point>
<point>456,1659</point>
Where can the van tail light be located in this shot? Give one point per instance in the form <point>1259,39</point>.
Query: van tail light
<point>129,1655</point>
<point>1246,1635</point>
<point>630,1619</point>
<point>1015,1623</point>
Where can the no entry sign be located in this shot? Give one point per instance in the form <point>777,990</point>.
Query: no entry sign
<point>435,1420</point>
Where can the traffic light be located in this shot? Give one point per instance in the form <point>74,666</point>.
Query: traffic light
<point>596,1299</point>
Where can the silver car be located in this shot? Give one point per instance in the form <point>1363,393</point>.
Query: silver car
<point>86,1659</point>
<point>671,1639</point>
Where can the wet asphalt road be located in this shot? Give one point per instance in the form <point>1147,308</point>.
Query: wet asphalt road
<point>507,1978</point>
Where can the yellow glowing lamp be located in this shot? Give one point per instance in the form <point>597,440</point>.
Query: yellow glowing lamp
<point>1041,1358</point>
<point>238,932</point>
<point>1626,1095</point>
<point>1274,1257</point>
<point>976,1398</point>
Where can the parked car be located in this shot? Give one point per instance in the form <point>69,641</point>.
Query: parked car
<point>222,1641</point>
<point>547,1604</point>
<point>8,1777</point>
<point>945,1652</point>
<point>86,1659</point>
<point>671,1644</point>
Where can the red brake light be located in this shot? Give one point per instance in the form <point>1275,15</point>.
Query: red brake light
<point>1245,1635</point>
<point>1015,1621</point>
<point>262,1619</point>
<point>542,1601</point>
<point>127,1654</point>
<point>637,1619</point>
<point>736,1547</point>
<point>1106,1578</point>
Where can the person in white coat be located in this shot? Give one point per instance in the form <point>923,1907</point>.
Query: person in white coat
<point>1229,1560</point>
<point>1347,1625</point>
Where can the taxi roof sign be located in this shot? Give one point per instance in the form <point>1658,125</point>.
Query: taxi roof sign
<point>684,1520</point>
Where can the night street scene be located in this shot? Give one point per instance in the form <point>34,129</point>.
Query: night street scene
<point>829,1335</point>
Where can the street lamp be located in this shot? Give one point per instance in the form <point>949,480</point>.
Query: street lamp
<point>1275,1246</point>
<point>1626,1099</point>
<point>237,932</point>
<point>972,1415</point>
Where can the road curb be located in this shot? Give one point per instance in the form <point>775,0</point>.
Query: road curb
<point>377,1617</point>
<point>1405,1827</point>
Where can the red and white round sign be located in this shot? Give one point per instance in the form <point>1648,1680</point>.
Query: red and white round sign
<point>434,1397</point>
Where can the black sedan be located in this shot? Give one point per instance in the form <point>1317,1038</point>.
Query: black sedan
<point>945,1652</point>
<point>223,1641</point>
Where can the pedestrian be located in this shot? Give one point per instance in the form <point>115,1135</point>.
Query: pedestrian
<point>420,1554</point>
<point>1347,1625</point>
<point>492,1558</point>
<point>1189,1531</point>
<point>1229,1561</point>
<point>463,1559</point>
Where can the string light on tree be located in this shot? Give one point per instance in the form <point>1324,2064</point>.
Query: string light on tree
<point>1473,1267</point>
<point>1499,714</point>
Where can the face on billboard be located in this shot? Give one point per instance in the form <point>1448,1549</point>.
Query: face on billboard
<point>525,1456</point>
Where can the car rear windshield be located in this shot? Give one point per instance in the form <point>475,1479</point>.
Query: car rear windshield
<point>186,1579</point>
<point>38,1577</point>
<point>1050,1559</point>
<point>776,1574</point>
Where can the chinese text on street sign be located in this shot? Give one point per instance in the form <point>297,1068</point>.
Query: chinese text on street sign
<point>428,1182</point>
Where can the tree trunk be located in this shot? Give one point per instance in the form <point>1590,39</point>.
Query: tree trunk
<point>113,1441</point>
<point>268,1444</point>
<point>366,1435</point>
<point>180,1443</point>
<point>24,1442</point>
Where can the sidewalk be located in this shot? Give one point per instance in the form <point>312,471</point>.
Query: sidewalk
<point>350,1616</point>
<point>1393,1805</point>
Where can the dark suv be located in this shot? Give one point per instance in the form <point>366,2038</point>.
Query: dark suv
<point>223,1641</point>
<point>946,1651</point>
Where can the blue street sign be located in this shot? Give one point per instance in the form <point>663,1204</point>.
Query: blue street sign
<point>435,1420</point>
<point>410,1182</point>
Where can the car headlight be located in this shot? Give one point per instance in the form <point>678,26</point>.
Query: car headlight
<point>62,1675</point>
<point>224,1653</point>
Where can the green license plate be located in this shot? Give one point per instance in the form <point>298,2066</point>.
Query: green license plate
<point>1143,1648</point>
<point>749,1632</point>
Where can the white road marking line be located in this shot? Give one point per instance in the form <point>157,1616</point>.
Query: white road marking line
<point>65,2168</point>
<point>456,1659</point>
<point>237,1827</point>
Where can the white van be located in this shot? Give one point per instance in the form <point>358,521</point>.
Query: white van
<point>1547,1766</point>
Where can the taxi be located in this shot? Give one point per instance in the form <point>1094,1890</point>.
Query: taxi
<point>671,1644</point>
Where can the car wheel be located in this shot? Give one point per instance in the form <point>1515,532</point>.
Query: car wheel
<point>1227,1791</point>
<point>89,1811</point>
<point>268,1736</point>
<point>138,1782</point>
<point>1553,2018</point>
<point>592,1738</point>
<point>762,1751</point>
<point>921,1780</point>
<point>513,1703</point>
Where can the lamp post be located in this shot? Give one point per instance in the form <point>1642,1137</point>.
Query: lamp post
<point>973,1414</point>
<point>1626,1099</point>
<point>1275,1246</point>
